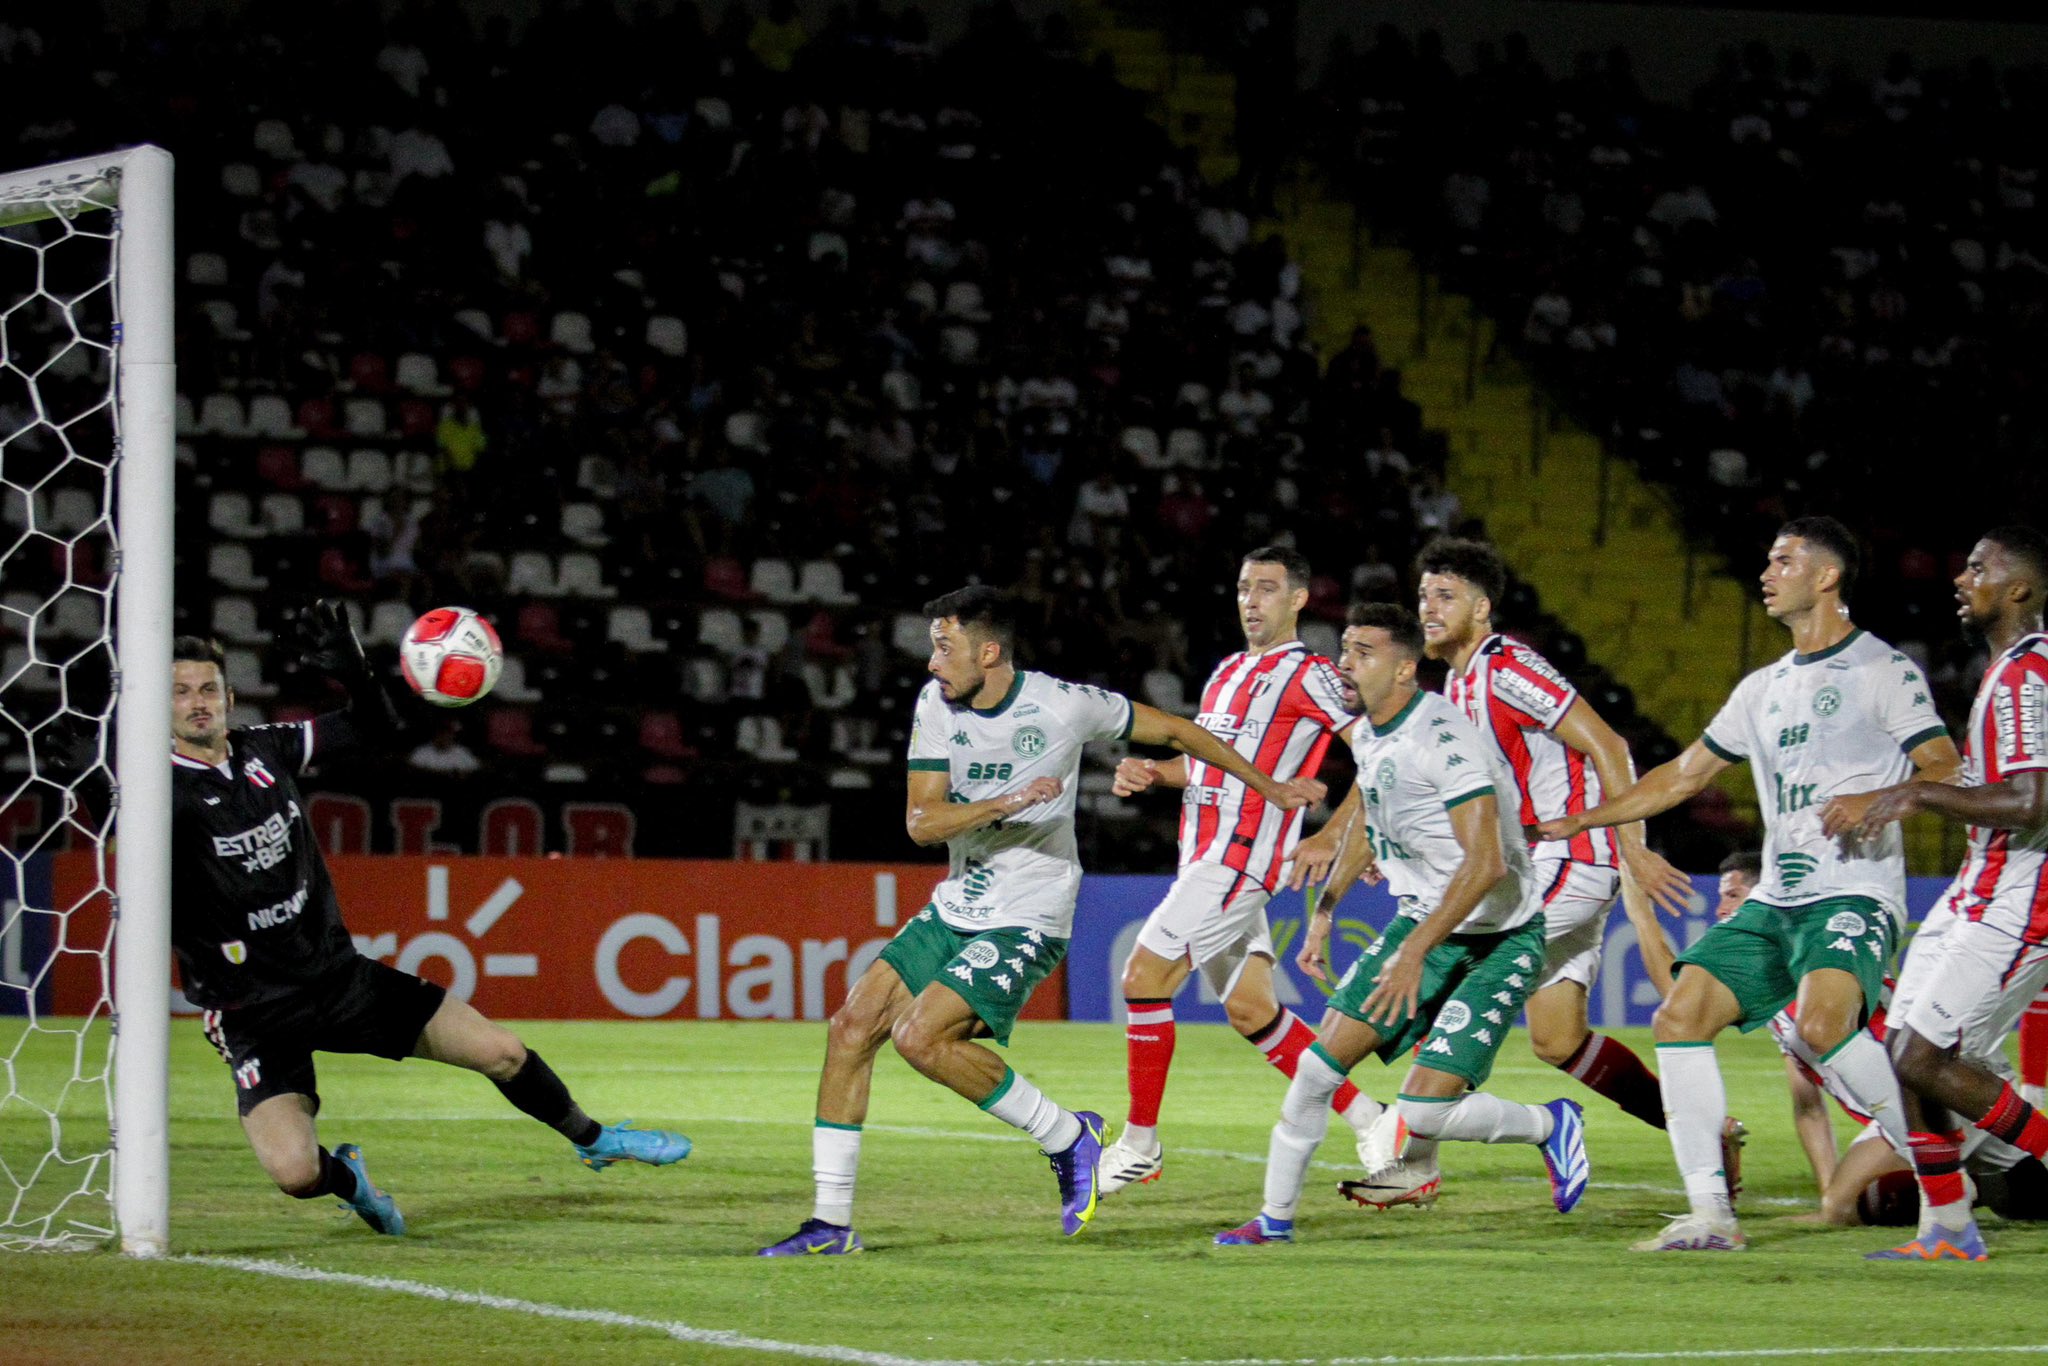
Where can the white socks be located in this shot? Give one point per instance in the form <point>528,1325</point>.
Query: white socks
<point>1142,1137</point>
<point>1695,1109</point>
<point>1474,1117</point>
<point>1304,1119</point>
<point>835,1157</point>
<point>1861,1067</point>
<point>1021,1105</point>
<point>1361,1113</point>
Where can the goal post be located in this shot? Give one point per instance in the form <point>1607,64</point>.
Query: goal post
<point>129,452</point>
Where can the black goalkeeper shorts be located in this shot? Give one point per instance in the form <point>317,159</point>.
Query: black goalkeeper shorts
<point>362,1007</point>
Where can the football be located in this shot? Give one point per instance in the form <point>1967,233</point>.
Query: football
<point>451,656</point>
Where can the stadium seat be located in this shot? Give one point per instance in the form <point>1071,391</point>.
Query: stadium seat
<point>222,415</point>
<point>234,621</point>
<point>414,472</point>
<point>271,415</point>
<point>76,615</point>
<point>245,671</point>
<point>240,180</point>
<point>661,733</point>
<point>283,514</point>
<point>387,624</point>
<point>1196,398</point>
<point>513,685</point>
<point>273,138</point>
<point>902,390</point>
<point>278,468</point>
<point>773,580</point>
<point>225,319</point>
<point>1142,444</point>
<point>70,511</point>
<point>316,416</point>
<point>747,430</point>
<point>959,344</point>
<point>417,374</point>
<point>532,573</point>
<point>24,675</point>
<point>963,300</point>
<point>774,629</point>
<point>831,687</point>
<point>467,373</point>
<point>187,416</point>
<point>597,475</point>
<point>631,628</point>
<point>761,737</point>
<point>369,471</point>
<point>719,628</point>
<point>364,417</point>
<point>703,680</point>
<point>821,582</point>
<point>229,514</point>
<point>477,322</point>
<point>582,576</point>
<point>520,329</point>
<point>667,335</point>
<point>858,739</point>
<point>726,578</point>
<point>583,524</point>
<point>571,331</point>
<point>323,468</point>
<point>1186,448</point>
<point>206,270</point>
<point>416,419</point>
<point>1320,637</point>
<point>1167,691</point>
<point>912,635</point>
<point>368,373</point>
<point>509,731</point>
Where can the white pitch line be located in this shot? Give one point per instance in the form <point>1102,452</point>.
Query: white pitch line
<point>1507,1358</point>
<point>681,1332</point>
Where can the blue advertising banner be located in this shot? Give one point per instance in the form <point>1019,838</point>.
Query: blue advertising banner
<point>1112,908</point>
<point>27,938</point>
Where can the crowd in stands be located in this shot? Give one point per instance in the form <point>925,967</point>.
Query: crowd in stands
<point>1808,290</point>
<point>698,352</point>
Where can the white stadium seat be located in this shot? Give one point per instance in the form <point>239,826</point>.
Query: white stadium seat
<point>364,417</point>
<point>271,415</point>
<point>369,470</point>
<point>531,572</point>
<point>324,469</point>
<point>632,628</point>
<point>667,335</point>
<point>418,374</point>
<point>583,523</point>
<point>583,577</point>
<point>571,332</point>
<point>222,415</point>
<point>283,514</point>
<point>229,565</point>
<point>229,514</point>
<point>388,620</point>
<point>774,630</point>
<point>234,620</point>
<point>719,628</point>
<point>821,582</point>
<point>773,580</point>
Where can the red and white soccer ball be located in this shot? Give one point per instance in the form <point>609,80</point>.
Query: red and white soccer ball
<point>451,656</point>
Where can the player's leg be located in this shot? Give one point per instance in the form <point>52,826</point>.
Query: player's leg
<point>1575,921</point>
<point>459,1035</point>
<point>1280,1035</point>
<point>2033,1086</point>
<point>1150,982</point>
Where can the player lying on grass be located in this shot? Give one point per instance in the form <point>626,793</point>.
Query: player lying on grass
<point>1821,927</point>
<point>262,948</point>
<point>994,751</point>
<point>1963,989</point>
<point>1457,962</point>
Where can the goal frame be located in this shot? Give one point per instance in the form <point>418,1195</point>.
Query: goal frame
<point>136,184</point>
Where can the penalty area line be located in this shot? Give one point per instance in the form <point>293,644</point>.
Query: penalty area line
<point>680,1332</point>
<point>1545,1358</point>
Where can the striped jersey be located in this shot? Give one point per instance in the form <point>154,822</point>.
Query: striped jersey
<point>1278,708</point>
<point>1514,695</point>
<point>2005,878</point>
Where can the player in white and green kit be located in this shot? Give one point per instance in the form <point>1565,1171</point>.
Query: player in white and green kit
<point>1450,975</point>
<point>993,755</point>
<point>1842,713</point>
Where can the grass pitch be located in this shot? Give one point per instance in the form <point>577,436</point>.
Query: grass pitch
<point>966,1261</point>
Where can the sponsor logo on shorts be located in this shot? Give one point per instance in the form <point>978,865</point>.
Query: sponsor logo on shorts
<point>235,951</point>
<point>1827,701</point>
<point>981,954</point>
<point>1029,742</point>
<point>1846,922</point>
<point>1454,1017</point>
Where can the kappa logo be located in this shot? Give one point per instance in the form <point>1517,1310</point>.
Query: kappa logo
<point>1015,965</point>
<point>1525,962</point>
<point>1454,1017</point>
<point>1504,998</point>
<point>1847,922</point>
<point>1002,980</point>
<point>1484,1036</point>
<point>1029,742</point>
<point>962,971</point>
<point>1439,1045</point>
<point>1842,945</point>
<point>1827,701</point>
<point>1515,979</point>
<point>981,954</point>
<point>1493,1017</point>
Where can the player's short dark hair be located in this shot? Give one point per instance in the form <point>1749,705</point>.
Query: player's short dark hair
<point>200,650</point>
<point>1400,624</point>
<point>2028,547</point>
<point>1748,862</point>
<point>981,611</point>
<point>1831,536</point>
<point>1287,557</point>
<point>1476,562</point>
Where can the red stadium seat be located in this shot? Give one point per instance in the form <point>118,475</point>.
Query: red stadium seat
<point>521,328</point>
<point>467,373</point>
<point>278,466</point>
<point>317,416</point>
<point>369,373</point>
<point>416,418</point>
<point>336,514</point>
<point>661,733</point>
<point>509,731</point>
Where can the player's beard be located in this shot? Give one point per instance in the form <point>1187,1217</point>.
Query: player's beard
<point>1975,632</point>
<point>965,697</point>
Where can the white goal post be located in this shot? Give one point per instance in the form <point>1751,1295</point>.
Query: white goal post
<point>132,188</point>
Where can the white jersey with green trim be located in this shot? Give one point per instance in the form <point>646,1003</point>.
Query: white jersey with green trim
<point>1024,870</point>
<point>1837,721</point>
<point>1414,770</point>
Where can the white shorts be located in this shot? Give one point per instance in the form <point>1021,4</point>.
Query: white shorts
<point>1965,984</point>
<point>1576,900</point>
<point>1215,918</point>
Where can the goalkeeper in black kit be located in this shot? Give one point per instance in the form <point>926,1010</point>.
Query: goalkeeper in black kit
<point>263,950</point>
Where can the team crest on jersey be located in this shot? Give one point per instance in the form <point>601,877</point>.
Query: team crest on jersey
<point>1846,922</point>
<point>258,774</point>
<point>1029,742</point>
<point>1827,701</point>
<point>1454,1017</point>
<point>235,951</point>
<point>981,954</point>
<point>1383,776</point>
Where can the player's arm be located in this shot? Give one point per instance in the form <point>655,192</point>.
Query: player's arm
<point>328,643</point>
<point>1315,858</point>
<point>1656,792</point>
<point>1135,775</point>
<point>1586,731</point>
<point>932,819</point>
<point>1150,726</point>
<point>1475,822</point>
<point>2018,802</point>
<point>1658,956</point>
<point>1810,1121</point>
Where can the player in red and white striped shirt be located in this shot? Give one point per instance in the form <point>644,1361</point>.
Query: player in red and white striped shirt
<point>1278,705</point>
<point>1960,995</point>
<point>1564,757</point>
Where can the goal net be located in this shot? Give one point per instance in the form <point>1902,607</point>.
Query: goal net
<point>86,440</point>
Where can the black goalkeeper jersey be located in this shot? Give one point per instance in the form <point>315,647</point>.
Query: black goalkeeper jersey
<point>253,913</point>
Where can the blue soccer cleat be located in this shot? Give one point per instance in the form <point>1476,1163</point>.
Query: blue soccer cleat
<point>1259,1231</point>
<point>1938,1244</point>
<point>371,1205</point>
<point>815,1239</point>
<point>622,1142</point>
<point>1077,1167</point>
<point>1564,1155</point>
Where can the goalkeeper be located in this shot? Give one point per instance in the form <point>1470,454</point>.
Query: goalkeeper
<point>262,948</point>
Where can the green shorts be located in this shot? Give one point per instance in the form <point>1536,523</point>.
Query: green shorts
<point>994,971</point>
<point>1473,986</point>
<point>1762,953</point>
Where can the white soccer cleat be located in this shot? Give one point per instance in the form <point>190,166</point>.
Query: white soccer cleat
<point>1126,1166</point>
<point>1694,1233</point>
<point>1405,1183</point>
<point>1380,1147</point>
